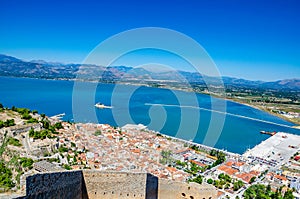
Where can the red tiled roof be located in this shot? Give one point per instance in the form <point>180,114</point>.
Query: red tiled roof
<point>280,177</point>
<point>230,163</point>
<point>135,150</point>
<point>220,193</point>
<point>239,163</point>
<point>171,169</point>
<point>227,170</point>
<point>297,157</point>
<point>198,163</point>
<point>255,173</point>
<point>246,177</point>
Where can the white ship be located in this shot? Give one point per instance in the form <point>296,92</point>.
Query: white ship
<point>100,105</point>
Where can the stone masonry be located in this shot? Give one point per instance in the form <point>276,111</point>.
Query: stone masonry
<point>92,184</point>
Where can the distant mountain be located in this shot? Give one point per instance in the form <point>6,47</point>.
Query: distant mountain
<point>11,66</point>
<point>5,58</point>
<point>292,84</point>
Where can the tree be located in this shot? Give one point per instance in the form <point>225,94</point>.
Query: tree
<point>288,194</point>
<point>209,181</point>
<point>252,179</point>
<point>26,116</point>
<point>73,144</point>
<point>166,157</point>
<point>34,112</point>
<point>58,125</point>
<point>63,149</point>
<point>227,186</point>
<point>32,120</point>
<point>213,152</point>
<point>194,168</point>
<point>275,195</point>
<point>221,157</point>
<point>5,177</point>
<point>237,185</point>
<point>31,132</point>
<point>46,124</point>
<point>14,142</point>
<point>198,179</point>
<point>67,167</point>
<point>269,188</point>
<point>98,132</point>
<point>218,184</point>
<point>7,123</point>
<point>26,162</point>
<point>221,176</point>
<point>258,191</point>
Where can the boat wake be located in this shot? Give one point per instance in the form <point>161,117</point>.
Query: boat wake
<point>220,112</point>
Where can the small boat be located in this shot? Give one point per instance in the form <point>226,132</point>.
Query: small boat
<point>268,133</point>
<point>100,105</point>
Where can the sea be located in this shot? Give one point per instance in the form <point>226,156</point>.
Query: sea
<point>195,117</point>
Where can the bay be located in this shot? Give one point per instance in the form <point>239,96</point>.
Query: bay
<point>170,112</point>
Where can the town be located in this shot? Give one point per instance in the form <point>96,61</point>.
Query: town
<point>34,143</point>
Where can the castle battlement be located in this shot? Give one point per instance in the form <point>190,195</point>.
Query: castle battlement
<point>92,184</point>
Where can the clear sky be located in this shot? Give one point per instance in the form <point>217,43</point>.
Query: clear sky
<point>252,39</point>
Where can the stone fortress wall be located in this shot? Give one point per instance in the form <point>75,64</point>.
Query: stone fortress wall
<point>55,185</point>
<point>168,189</point>
<point>117,185</point>
<point>91,184</point>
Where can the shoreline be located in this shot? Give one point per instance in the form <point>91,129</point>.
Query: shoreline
<point>201,146</point>
<point>296,125</point>
<point>235,100</point>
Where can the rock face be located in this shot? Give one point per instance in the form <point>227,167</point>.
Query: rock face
<point>112,185</point>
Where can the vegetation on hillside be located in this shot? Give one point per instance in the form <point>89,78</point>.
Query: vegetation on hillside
<point>259,191</point>
<point>47,132</point>
<point>7,123</point>
<point>15,164</point>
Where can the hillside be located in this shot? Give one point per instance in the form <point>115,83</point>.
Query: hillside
<point>11,66</point>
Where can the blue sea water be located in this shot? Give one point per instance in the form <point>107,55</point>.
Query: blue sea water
<point>174,113</point>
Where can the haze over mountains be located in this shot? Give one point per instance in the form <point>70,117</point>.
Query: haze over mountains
<point>11,66</point>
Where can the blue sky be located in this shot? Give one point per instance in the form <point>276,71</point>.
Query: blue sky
<point>252,39</point>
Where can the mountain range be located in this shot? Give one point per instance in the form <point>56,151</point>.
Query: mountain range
<point>11,66</point>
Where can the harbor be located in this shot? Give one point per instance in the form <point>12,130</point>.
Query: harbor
<point>276,150</point>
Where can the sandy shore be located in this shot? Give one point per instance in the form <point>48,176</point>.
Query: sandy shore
<point>297,124</point>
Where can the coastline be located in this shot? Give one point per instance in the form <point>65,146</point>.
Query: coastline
<point>201,146</point>
<point>297,125</point>
<point>236,100</point>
